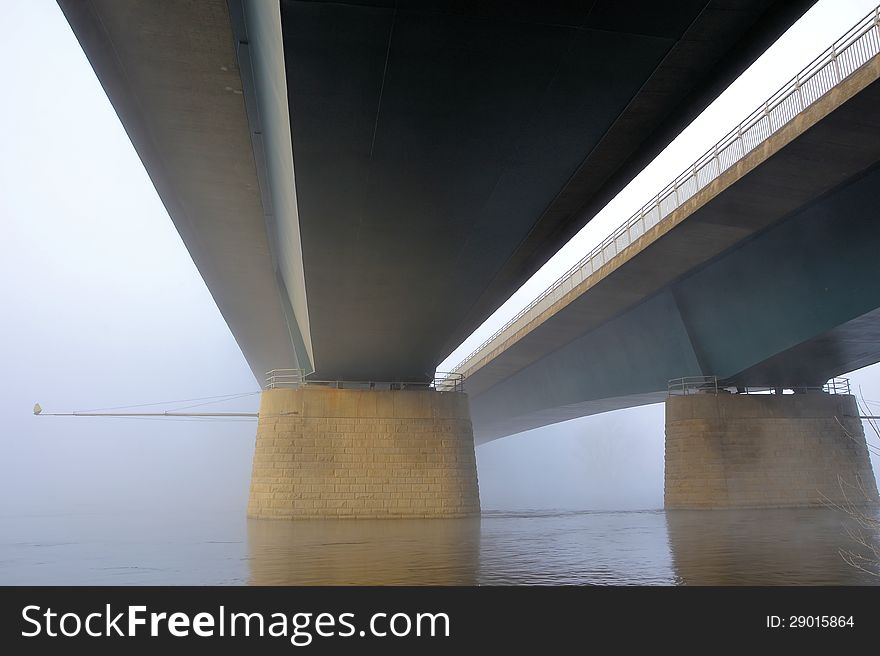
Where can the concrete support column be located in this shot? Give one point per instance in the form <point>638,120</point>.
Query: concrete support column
<point>324,452</point>
<point>764,450</point>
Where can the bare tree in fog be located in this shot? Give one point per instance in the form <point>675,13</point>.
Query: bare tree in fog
<point>860,505</point>
<point>864,528</point>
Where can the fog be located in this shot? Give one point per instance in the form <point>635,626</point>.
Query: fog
<point>102,306</point>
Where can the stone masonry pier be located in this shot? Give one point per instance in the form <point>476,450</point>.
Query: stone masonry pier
<point>765,450</point>
<point>352,453</point>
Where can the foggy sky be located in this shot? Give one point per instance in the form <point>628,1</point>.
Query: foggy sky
<point>102,306</point>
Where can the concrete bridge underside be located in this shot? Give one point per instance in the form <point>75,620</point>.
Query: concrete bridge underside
<point>361,184</point>
<point>766,277</point>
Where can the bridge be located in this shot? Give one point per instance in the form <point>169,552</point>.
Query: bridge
<point>755,265</point>
<point>362,184</point>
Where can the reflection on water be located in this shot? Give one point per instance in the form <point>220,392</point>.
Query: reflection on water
<point>364,552</point>
<point>756,547</point>
<point>794,546</point>
<point>764,547</point>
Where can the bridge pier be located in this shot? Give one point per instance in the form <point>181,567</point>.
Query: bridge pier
<point>765,450</point>
<point>358,453</point>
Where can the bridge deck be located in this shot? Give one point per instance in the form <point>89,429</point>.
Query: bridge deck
<point>831,142</point>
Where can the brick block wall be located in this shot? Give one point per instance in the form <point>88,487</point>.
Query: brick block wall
<point>735,450</point>
<point>323,452</point>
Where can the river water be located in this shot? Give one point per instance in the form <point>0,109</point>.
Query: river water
<point>766,547</point>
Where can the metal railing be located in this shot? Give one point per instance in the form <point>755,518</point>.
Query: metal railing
<point>690,385</point>
<point>277,378</point>
<point>837,386</point>
<point>845,56</point>
<point>294,378</point>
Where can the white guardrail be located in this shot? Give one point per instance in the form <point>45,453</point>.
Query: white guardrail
<point>845,56</point>
<point>709,385</point>
<point>295,378</point>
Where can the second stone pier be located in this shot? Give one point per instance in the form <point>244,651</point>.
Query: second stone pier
<point>361,453</point>
<point>765,450</point>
